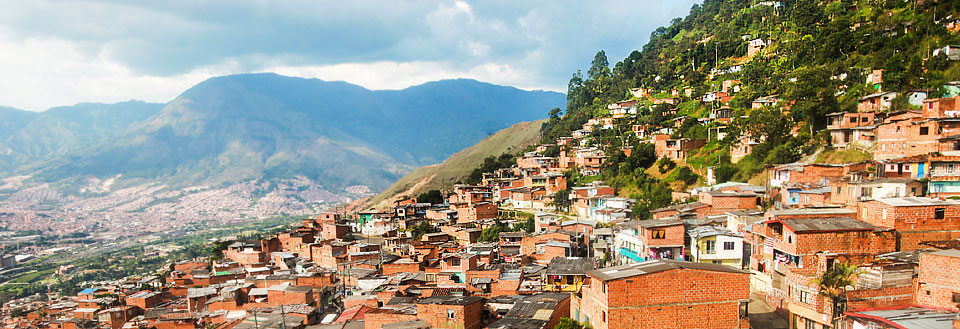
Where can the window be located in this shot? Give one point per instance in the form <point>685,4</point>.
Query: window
<point>604,287</point>
<point>956,297</point>
<point>924,131</point>
<point>809,324</point>
<point>939,213</point>
<point>853,120</point>
<point>728,245</point>
<point>603,316</point>
<point>451,314</point>
<point>711,247</point>
<point>658,234</point>
<point>718,262</point>
<point>455,262</point>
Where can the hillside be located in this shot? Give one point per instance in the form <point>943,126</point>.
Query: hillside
<point>459,165</point>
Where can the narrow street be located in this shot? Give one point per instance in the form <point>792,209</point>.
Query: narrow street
<point>762,315</point>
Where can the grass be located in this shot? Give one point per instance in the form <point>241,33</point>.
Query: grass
<point>33,277</point>
<point>843,156</point>
<point>458,166</point>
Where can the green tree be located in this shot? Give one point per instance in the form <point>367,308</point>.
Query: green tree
<point>834,283</point>
<point>568,323</point>
<point>431,196</point>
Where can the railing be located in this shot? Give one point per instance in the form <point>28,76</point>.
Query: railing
<point>944,172</point>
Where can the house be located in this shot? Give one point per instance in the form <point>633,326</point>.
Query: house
<point>726,200</point>
<point>637,241</point>
<point>755,46</point>
<point>451,312</point>
<point>803,173</point>
<point>676,149</point>
<point>916,219</point>
<point>764,101</point>
<point>715,245</point>
<point>938,280</point>
<point>856,130</point>
<point>567,274</point>
<point>877,102</point>
<point>952,52</point>
<point>664,294</point>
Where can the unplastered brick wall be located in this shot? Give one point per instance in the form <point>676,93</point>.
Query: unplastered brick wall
<point>938,280</point>
<point>684,298</point>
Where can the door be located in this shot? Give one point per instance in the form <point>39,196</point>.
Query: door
<point>920,173</point>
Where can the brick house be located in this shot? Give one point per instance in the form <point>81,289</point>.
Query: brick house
<point>664,294</point>
<point>468,213</point>
<point>727,200</point>
<point>452,312</point>
<point>853,130</point>
<point>938,280</point>
<point>877,102</point>
<point>804,173</point>
<point>915,133</point>
<point>676,149</point>
<point>915,219</point>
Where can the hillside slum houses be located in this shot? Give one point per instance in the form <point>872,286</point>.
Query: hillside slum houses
<point>503,254</point>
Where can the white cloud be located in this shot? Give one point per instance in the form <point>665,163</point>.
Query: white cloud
<point>57,53</point>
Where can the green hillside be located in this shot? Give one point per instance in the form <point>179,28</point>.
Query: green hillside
<point>458,166</point>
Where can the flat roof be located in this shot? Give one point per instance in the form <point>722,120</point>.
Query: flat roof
<point>569,265</point>
<point>948,253</point>
<point>831,224</point>
<point>450,300</point>
<point>812,211</point>
<point>910,317</point>
<point>917,202</point>
<point>656,266</point>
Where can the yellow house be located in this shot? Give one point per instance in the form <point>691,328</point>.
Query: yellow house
<point>566,274</point>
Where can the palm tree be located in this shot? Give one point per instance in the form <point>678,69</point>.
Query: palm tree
<point>834,282</point>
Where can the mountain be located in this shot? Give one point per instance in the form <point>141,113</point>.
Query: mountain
<point>12,120</point>
<point>459,165</point>
<point>251,126</point>
<point>61,130</point>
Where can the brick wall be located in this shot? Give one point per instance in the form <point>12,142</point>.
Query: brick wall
<point>938,280</point>
<point>464,316</point>
<point>684,298</point>
<point>377,318</point>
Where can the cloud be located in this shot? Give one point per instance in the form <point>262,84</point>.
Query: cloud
<point>59,53</point>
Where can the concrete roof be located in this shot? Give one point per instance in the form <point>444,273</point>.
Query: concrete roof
<point>910,317</point>
<point>917,202</point>
<point>812,211</point>
<point>948,253</point>
<point>569,265</point>
<point>656,266</point>
<point>450,300</point>
<point>802,225</point>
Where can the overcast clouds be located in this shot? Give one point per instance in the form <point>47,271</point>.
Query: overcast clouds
<point>59,53</point>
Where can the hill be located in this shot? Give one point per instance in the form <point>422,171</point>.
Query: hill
<point>459,165</point>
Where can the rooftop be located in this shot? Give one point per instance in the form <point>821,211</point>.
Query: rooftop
<point>909,317</point>
<point>917,202</point>
<point>949,253</point>
<point>807,225</point>
<point>450,300</point>
<point>656,266</point>
<point>569,265</point>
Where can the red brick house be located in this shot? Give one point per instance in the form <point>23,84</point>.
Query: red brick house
<point>664,294</point>
<point>676,149</point>
<point>939,280</point>
<point>452,312</point>
<point>915,219</point>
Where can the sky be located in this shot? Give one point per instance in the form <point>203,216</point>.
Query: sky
<point>55,53</point>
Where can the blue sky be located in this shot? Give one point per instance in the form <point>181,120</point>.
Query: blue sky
<point>60,53</point>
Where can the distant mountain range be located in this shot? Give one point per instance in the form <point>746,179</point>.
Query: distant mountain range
<point>262,126</point>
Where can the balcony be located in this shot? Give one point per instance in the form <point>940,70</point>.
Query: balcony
<point>944,172</point>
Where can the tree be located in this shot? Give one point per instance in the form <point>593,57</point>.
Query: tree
<point>834,283</point>
<point>665,164</point>
<point>568,323</point>
<point>561,201</point>
<point>431,196</point>
<point>687,176</point>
